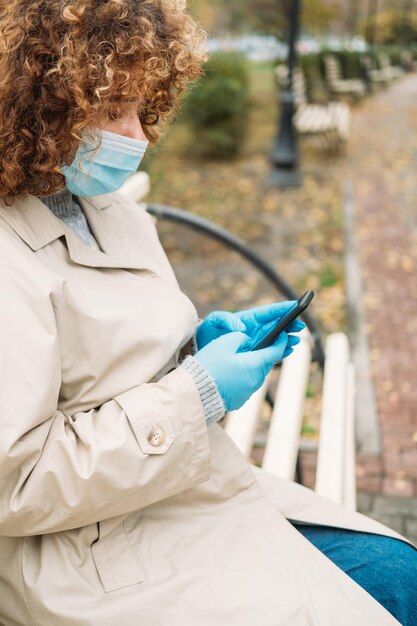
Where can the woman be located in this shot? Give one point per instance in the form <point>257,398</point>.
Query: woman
<point>121,500</point>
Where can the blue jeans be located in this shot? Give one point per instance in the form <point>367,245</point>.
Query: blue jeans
<point>385,567</point>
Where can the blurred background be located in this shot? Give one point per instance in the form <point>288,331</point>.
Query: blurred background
<point>301,139</point>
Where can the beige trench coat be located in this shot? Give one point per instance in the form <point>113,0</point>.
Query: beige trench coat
<point>99,526</point>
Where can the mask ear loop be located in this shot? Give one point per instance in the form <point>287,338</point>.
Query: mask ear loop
<point>92,150</point>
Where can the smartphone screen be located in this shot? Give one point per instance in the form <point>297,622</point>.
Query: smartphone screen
<point>300,306</point>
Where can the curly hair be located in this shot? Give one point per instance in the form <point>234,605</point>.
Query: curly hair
<point>65,65</point>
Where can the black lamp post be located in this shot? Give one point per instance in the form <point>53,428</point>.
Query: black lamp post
<point>284,156</point>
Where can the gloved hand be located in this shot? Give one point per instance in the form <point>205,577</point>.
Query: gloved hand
<point>255,322</point>
<point>238,373</point>
<point>216,324</point>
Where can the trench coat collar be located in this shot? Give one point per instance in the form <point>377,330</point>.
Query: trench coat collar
<point>119,239</point>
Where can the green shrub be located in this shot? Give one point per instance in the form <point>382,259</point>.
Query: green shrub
<point>315,84</point>
<point>217,106</point>
<point>328,276</point>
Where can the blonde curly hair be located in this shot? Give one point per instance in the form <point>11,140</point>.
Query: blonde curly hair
<point>65,65</point>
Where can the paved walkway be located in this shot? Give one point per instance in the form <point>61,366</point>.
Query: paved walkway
<point>382,166</point>
<point>380,180</point>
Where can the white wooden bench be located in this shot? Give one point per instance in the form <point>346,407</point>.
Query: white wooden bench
<point>408,64</point>
<point>339,86</point>
<point>335,475</point>
<point>332,120</point>
<point>391,72</point>
<point>375,76</point>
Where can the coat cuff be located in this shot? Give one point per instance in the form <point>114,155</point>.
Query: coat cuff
<point>178,419</point>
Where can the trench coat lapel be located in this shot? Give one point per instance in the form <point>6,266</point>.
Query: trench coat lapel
<point>124,244</point>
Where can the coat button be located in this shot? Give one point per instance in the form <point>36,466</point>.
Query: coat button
<point>156,436</point>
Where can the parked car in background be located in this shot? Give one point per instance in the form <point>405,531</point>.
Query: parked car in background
<point>254,47</point>
<point>259,48</point>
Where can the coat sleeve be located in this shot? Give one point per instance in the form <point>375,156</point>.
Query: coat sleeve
<point>60,471</point>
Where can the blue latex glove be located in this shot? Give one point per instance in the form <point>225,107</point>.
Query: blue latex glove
<point>238,373</point>
<point>255,322</point>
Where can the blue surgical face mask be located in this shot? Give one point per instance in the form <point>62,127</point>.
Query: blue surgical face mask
<point>117,158</point>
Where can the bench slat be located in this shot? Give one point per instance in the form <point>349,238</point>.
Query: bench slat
<point>281,450</point>
<point>331,453</point>
<point>349,475</point>
<point>241,424</point>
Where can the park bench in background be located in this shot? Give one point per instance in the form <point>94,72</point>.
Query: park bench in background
<point>408,63</point>
<point>330,120</point>
<point>391,72</point>
<point>375,77</point>
<point>353,88</point>
<point>335,475</point>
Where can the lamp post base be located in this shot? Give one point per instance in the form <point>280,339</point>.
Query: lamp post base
<point>284,177</point>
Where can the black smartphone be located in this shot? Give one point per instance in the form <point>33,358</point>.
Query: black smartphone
<point>300,306</point>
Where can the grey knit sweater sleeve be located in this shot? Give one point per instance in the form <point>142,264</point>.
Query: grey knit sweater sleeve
<point>214,408</point>
<point>66,207</point>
